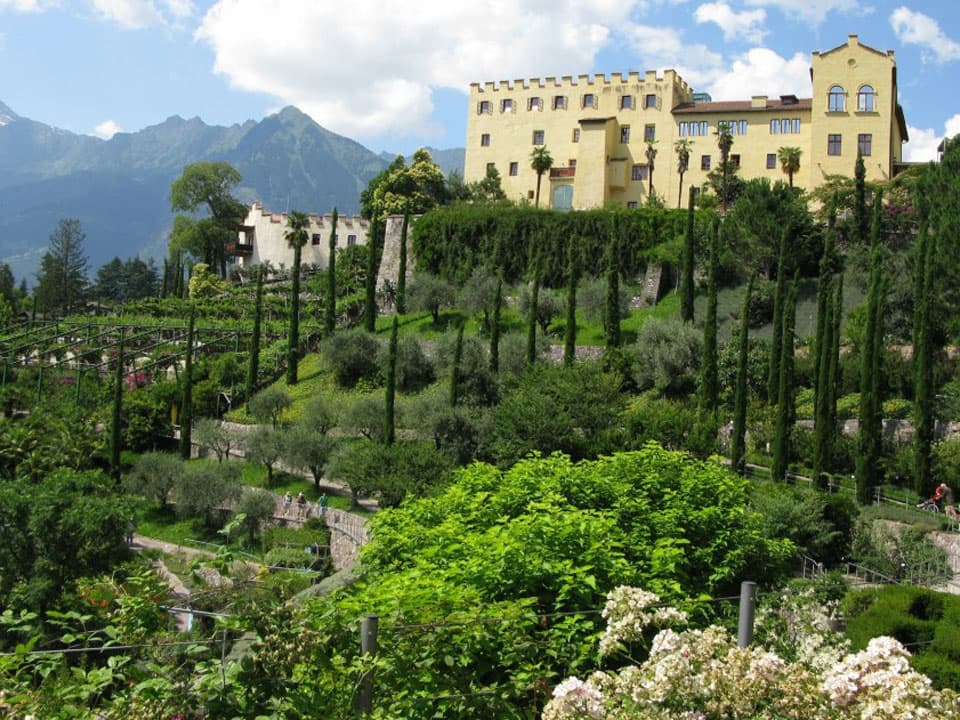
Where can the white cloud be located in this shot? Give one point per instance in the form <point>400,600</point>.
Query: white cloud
<point>23,6</point>
<point>106,130</point>
<point>811,11</point>
<point>761,71</point>
<point>370,71</point>
<point>138,14</point>
<point>924,141</point>
<point>913,28</point>
<point>747,25</point>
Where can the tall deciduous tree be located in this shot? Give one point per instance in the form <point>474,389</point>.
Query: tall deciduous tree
<point>209,185</point>
<point>686,274</point>
<point>330,306</point>
<point>869,472</point>
<point>738,449</point>
<point>296,236</point>
<point>540,161</point>
<point>62,280</point>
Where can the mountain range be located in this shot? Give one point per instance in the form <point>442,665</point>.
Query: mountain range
<point>119,188</point>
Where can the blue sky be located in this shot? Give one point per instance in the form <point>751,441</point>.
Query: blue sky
<point>394,75</point>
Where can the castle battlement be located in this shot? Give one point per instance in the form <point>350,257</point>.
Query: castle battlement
<point>315,218</point>
<point>601,80</point>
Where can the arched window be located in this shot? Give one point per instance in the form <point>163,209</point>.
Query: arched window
<point>866,99</point>
<point>836,99</point>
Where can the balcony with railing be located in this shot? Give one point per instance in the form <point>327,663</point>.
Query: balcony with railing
<point>563,172</point>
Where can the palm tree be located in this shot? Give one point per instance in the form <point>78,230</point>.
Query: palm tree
<point>651,154</point>
<point>296,237</point>
<point>541,162</point>
<point>682,146</point>
<point>789,158</point>
<point>724,143</point>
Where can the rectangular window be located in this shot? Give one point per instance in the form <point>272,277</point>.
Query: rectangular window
<point>694,129</point>
<point>833,144</point>
<point>704,128</point>
<point>491,166</point>
<point>624,133</point>
<point>514,169</point>
<point>771,161</point>
<point>483,107</point>
<point>684,129</point>
<point>649,133</point>
<point>631,204</point>
<point>649,101</point>
<point>559,102</point>
<point>485,140</point>
<point>538,137</point>
<point>315,239</point>
<point>576,135</point>
<point>535,103</point>
<point>589,100</point>
<point>735,161</point>
<point>774,127</point>
<point>734,127</point>
<point>639,172</point>
<point>572,162</point>
<point>704,162</point>
<point>351,240</point>
<point>506,105</point>
<point>626,102</point>
<point>865,143</point>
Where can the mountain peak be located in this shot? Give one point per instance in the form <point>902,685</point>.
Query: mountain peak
<point>7,115</point>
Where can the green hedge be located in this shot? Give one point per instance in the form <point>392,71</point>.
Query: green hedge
<point>927,622</point>
<point>451,241</point>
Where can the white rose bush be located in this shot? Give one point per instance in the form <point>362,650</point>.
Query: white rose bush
<point>693,674</point>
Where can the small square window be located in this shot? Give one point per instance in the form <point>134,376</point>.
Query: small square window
<point>639,172</point>
<point>485,140</point>
<point>589,100</point>
<point>559,102</point>
<point>535,103</point>
<point>865,143</point>
<point>704,162</point>
<point>491,167</point>
<point>631,204</point>
<point>650,101</point>
<point>572,162</point>
<point>483,107</point>
<point>626,102</point>
<point>771,161</point>
<point>834,144</point>
<point>514,169</point>
<point>624,133</point>
<point>649,133</point>
<point>351,240</point>
<point>734,161</point>
<point>506,105</point>
<point>538,137</point>
<point>576,134</point>
<point>315,239</point>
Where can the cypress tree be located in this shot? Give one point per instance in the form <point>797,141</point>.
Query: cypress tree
<point>389,421</point>
<point>824,293</point>
<point>330,307</point>
<point>532,320</point>
<point>117,414</point>
<point>297,237</point>
<point>495,327</point>
<point>860,200</point>
<point>869,473</point>
<point>455,368</point>
<point>402,270</point>
<point>373,262</point>
<point>686,276</point>
<point>738,449</point>
<point>835,356</point>
<point>570,336</point>
<point>253,363</point>
<point>186,412</point>
<point>779,298</point>
<point>612,312</point>
<point>165,279</point>
<point>786,412</point>
<point>923,417</point>
<point>823,395</point>
<point>709,384</point>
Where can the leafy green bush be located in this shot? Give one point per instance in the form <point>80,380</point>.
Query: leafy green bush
<point>352,355</point>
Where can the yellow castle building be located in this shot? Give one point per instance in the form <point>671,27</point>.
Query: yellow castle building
<point>600,131</point>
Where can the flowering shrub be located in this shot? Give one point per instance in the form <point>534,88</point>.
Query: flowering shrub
<point>704,675</point>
